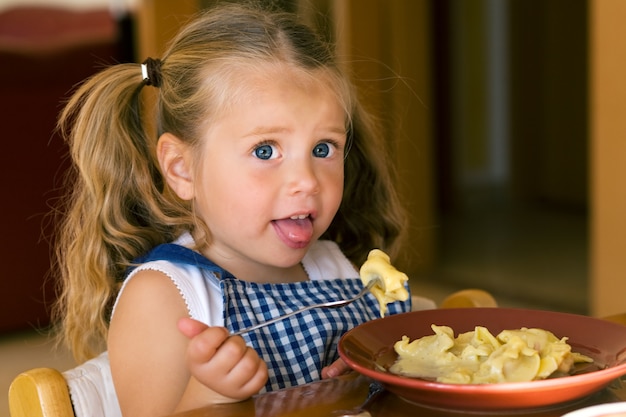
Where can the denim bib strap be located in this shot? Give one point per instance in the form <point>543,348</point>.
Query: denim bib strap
<point>181,254</point>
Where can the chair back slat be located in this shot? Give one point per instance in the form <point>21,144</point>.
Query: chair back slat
<point>40,392</point>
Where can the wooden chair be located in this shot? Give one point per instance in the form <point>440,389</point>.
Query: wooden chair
<point>43,392</point>
<point>40,392</point>
<point>472,297</point>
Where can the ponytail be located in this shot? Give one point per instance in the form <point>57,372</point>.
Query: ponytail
<point>115,209</point>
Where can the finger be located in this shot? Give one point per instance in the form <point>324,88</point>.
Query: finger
<point>205,345</point>
<point>254,384</point>
<point>236,368</point>
<point>229,355</point>
<point>213,352</point>
<point>339,367</point>
<point>247,376</point>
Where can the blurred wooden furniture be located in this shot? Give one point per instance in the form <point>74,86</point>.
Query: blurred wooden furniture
<point>607,89</point>
<point>617,318</point>
<point>40,392</point>
<point>472,297</point>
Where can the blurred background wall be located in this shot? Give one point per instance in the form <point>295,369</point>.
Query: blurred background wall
<point>46,48</point>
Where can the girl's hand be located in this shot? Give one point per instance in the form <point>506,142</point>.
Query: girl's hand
<point>223,363</point>
<point>336,368</point>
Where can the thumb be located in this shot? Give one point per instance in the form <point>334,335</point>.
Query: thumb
<point>190,327</point>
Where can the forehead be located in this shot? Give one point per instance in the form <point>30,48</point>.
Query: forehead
<point>241,83</point>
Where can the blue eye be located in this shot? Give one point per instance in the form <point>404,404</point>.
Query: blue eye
<point>322,150</point>
<point>264,151</point>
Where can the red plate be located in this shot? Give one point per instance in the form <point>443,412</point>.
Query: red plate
<point>368,349</point>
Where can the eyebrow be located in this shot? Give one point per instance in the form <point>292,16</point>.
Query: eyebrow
<point>264,130</point>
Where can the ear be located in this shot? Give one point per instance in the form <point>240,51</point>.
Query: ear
<point>175,161</point>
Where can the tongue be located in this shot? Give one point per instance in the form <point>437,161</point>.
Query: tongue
<point>297,231</point>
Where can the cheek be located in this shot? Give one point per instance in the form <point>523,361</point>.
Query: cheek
<point>213,189</point>
<point>335,185</point>
<point>339,174</point>
<point>233,193</point>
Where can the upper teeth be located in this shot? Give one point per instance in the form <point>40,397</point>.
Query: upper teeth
<point>299,217</point>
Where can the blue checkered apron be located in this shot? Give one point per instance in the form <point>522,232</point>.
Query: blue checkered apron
<point>297,348</point>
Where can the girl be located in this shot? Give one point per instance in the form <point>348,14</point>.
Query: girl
<point>264,185</point>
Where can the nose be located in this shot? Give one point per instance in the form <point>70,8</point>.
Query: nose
<point>302,178</point>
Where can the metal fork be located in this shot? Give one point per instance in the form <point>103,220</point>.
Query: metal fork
<point>330,304</point>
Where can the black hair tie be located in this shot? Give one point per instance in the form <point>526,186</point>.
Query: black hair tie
<point>151,72</point>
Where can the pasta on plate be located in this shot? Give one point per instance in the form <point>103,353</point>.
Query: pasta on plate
<point>479,357</point>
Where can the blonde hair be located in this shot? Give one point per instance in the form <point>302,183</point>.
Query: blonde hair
<point>121,207</point>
